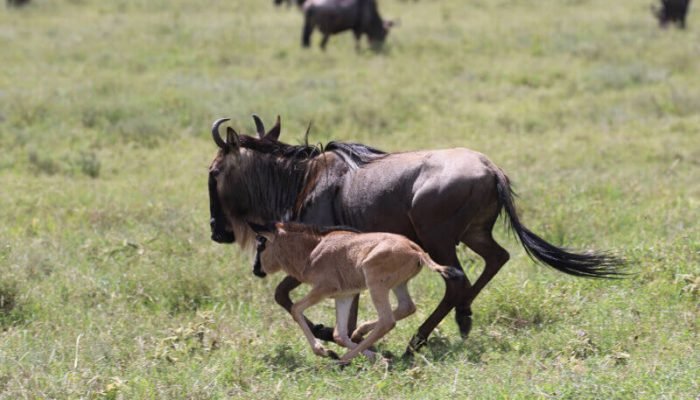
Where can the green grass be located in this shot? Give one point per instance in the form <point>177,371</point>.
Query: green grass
<point>111,288</point>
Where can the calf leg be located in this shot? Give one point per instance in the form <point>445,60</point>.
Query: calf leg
<point>297,311</point>
<point>385,323</point>
<point>282,298</point>
<point>343,309</point>
<point>404,308</point>
<point>342,312</point>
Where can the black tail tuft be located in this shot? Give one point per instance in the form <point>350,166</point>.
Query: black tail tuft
<point>590,264</point>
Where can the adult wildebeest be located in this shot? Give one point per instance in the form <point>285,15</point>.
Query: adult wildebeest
<point>339,262</point>
<point>672,11</point>
<point>436,198</point>
<point>335,16</point>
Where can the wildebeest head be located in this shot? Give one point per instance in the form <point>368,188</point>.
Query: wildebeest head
<point>376,28</point>
<point>222,171</point>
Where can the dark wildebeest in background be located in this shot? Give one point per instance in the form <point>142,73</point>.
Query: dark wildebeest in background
<point>341,262</point>
<point>16,3</point>
<point>335,16</point>
<point>672,12</point>
<point>289,2</point>
<point>437,198</point>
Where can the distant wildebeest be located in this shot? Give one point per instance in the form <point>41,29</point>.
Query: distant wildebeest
<point>672,11</point>
<point>436,198</point>
<point>16,3</point>
<point>289,2</point>
<point>335,16</point>
<point>339,262</point>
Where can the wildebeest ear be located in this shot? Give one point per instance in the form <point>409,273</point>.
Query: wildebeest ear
<point>274,133</point>
<point>232,140</point>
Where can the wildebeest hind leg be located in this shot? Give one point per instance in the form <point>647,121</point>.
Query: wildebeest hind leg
<point>493,254</point>
<point>455,291</point>
<point>282,298</point>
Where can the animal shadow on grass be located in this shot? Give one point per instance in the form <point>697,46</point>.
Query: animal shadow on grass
<point>284,357</point>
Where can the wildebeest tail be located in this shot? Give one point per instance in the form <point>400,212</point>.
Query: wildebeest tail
<point>445,271</point>
<point>589,264</point>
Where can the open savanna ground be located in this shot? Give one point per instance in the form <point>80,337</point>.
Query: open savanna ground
<point>110,286</point>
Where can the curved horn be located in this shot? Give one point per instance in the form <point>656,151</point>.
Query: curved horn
<point>259,127</point>
<point>215,132</point>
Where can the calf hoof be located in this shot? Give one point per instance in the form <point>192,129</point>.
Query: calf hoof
<point>356,337</point>
<point>319,350</point>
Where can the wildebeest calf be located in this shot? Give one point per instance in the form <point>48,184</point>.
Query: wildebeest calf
<point>339,263</point>
<point>672,11</point>
<point>335,16</point>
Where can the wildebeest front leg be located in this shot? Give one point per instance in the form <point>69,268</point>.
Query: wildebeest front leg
<point>358,37</point>
<point>306,33</point>
<point>282,298</point>
<point>324,41</point>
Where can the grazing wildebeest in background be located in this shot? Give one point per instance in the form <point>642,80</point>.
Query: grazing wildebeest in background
<point>289,2</point>
<point>672,11</point>
<point>16,3</point>
<point>436,198</point>
<point>335,16</point>
<point>339,262</point>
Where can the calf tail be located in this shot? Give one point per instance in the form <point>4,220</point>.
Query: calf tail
<point>445,271</point>
<point>589,264</point>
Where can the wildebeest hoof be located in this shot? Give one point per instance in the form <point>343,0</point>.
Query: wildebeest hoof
<point>332,354</point>
<point>465,324</point>
<point>322,332</point>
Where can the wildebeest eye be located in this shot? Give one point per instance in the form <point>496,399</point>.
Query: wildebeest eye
<point>214,172</point>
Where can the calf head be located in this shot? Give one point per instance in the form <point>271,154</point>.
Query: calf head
<point>266,234</point>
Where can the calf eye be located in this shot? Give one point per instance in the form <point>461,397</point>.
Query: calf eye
<point>214,172</point>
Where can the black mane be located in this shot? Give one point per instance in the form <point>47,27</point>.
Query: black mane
<point>317,230</point>
<point>354,154</point>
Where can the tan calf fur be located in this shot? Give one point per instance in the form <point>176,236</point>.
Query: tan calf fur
<point>339,263</point>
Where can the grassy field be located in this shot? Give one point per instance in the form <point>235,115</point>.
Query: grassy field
<point>111,288</point>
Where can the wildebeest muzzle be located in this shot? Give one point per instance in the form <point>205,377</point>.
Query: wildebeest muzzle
<point>257,267</point>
